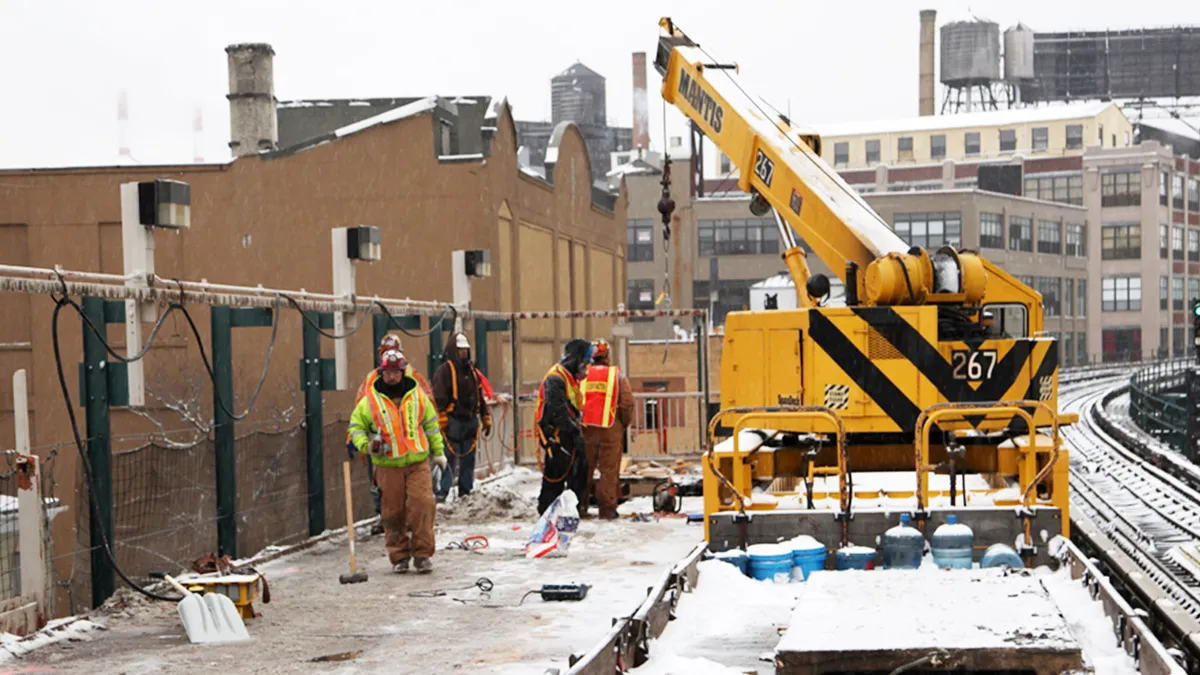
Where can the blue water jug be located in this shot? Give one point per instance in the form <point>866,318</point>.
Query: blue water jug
<point>1001,555</point>
<point>735,557</point>
<point>808,556</point>
<point>903,546</point>
<point>770,562</point>
<point>855,558</point>
<point>953,545</point>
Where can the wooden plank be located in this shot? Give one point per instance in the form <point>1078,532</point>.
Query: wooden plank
<point>1040,661</point>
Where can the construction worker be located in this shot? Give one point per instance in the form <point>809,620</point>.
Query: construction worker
<point>396,424</point>
<point>462,414</point>
<point>607,413</point>
<point>559,406</point>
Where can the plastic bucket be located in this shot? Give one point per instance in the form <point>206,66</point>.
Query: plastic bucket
<point>856,558</point>
<point>808,556</point>
<point>770,562</point>
<point>737,558</point>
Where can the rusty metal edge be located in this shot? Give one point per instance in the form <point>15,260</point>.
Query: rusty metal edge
<point>1130,629</point>
<point>619,647</point>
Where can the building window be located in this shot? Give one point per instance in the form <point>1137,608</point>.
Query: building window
<point>841,153</point>
<point>1177,191</point>
<point>1041,139</point>
<point>937,146</point>
<point>1020,234</point>
<point>873,152</point>
<point>904,148</point>
<point>1068,298</point>
<point>726,165</point>
<point>1177,343</point>
<point>1120,188</point>
<point>1081,356</point>
<point>1121,294</point>
<point>639,239</point>
<point>1193,237</point>
<point>1008,140</point>
<point>640,294</point>
<point>1068,349</point>
<point>991,230</point>
<point>1049,237</point>
<point>971,143</point>
<point>1194,194</point>
<point>1163,179</point>
<point>1177,293</point>
<point>1081,298</point>
<point>1164,339</point>
<point>930,230</point>
<point>1063,189</point>
<point>1049,287</point>
<point>1121,344</point>
<point>1121,241</point>
<point>1193,293</point>
<point>1074,136</point>
<point>1177,243</point>
<point>1162,240</point>
<point>731,296</point>
<point>1076,240</point>
<point>739,236</point>
<point>1163,296</point>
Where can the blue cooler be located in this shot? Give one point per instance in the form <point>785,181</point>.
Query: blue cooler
<point>856,558</point>
<point>808,556</point>
<point>770,562</point>
<point>737,558</point>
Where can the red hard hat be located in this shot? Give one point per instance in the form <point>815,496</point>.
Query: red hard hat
<point>392,359</point>
<point>389,342</point>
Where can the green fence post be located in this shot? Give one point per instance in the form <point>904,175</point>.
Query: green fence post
<point>316,375</point>
<point>99,449</point>
<point>223,320</point>
<point>482,328</point>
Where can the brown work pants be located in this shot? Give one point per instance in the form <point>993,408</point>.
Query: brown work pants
<point>407,493</point>
<point>604,455</point>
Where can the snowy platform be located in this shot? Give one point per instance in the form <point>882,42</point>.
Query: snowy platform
<point>965,620</point>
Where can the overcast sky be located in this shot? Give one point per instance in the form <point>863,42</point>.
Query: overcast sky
<point>65,62</point>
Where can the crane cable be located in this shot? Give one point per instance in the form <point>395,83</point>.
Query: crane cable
<point>666,207</point>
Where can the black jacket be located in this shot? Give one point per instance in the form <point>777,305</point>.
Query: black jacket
<point>557,412</point>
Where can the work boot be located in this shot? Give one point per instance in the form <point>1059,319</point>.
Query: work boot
<point>423,565</point>
<point>377,529</point>
<point>401,567</point>
<point>608,514</point>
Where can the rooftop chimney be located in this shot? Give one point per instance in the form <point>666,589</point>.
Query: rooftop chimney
<point>252,123</point>
<point>926,84</point>
<point>641,107</point>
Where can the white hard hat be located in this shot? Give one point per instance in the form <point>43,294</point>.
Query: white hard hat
<point>461,342</point>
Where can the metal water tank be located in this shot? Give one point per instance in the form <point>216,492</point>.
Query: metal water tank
<point>1018,53</point>
<point>970,52</point>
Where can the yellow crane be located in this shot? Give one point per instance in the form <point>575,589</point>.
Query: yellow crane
<point>935,363</point>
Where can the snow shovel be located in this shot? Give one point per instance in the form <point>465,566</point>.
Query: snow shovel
<point>209,619</point>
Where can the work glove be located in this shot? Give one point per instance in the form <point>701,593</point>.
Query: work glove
<point>487,425</point>
<point>351,451</point>
<point>377,446</point>
<point>441,461</point>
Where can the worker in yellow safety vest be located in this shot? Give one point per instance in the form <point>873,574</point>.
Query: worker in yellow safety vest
<point>396,423</point>
<point>557,423</point>
<point>607,413</point>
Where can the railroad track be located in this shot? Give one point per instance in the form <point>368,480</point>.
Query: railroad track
<point>1152,517</point>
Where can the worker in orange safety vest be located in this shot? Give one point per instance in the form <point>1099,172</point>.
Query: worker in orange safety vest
<point>607,413</point>
<point>396,423</point>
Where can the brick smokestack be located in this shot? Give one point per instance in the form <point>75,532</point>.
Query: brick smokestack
<point>926,84</point>
<point>641,105</point>
<point>252,123</point>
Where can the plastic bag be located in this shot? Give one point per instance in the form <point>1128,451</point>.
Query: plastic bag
<point>553,531</point>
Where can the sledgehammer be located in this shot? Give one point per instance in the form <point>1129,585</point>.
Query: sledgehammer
<point>354,577</point>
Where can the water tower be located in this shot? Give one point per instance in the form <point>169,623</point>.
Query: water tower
<point>970,67</point>
<point>1018,60</point>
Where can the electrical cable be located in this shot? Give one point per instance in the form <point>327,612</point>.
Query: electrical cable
<point>484,585</point>
<point>450,309</point>
<point>309,320</point>
<point>106,544</point>
<point>104,338</point>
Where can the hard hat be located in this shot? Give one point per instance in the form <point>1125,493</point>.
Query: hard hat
<point>600,348</point>
<point>461,341</point>
<point>392,359</point>
<point>389,342</point>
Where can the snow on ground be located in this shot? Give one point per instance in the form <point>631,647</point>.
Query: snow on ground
<point>69,629</point>
<point>312,615</point>
<point>723,626</point>
<point>1088,623</point>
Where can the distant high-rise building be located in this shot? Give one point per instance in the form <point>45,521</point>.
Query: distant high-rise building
<point>577,95</point>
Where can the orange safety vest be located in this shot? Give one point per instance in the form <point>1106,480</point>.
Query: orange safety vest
<point>574,398</point>
<point>368,385</point>
<point>600,396</point>
<point>400,426</point>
